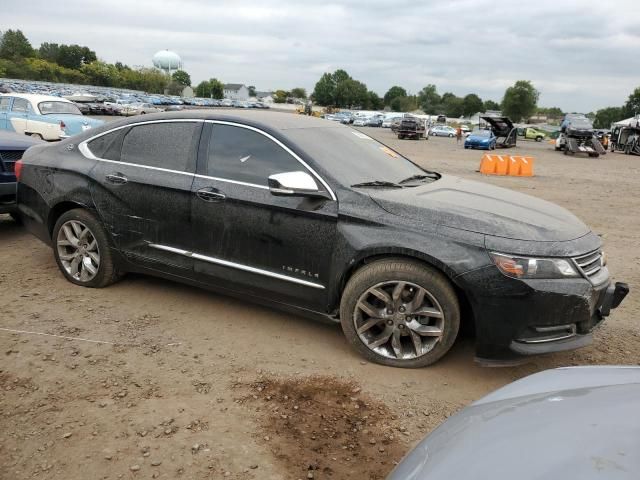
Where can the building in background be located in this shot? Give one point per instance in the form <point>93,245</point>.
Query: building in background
<point>236,91</point>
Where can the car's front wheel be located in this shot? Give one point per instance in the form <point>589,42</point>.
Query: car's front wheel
<point>81,249</point>
<point>400,313</point>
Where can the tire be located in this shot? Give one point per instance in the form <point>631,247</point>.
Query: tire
<point>36,136</point>
<point>451,135</point>
<point>408,277</point>
<point>16,218</point>
<point>400,137</point>
<point>105,272</point>
<point>538,139</point>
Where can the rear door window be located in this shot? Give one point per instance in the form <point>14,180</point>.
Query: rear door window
<point>4,104</point>
<point>244,155</point>
<point>108,146</point>
<point>20,105</point>
<point>169,145</point>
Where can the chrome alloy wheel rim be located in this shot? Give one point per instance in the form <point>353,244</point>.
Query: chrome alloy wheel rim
<point>78,251</point>
<point>399,320</point>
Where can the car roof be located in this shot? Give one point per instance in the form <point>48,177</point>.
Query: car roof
<point>269,120</point>
<point>35,98</point>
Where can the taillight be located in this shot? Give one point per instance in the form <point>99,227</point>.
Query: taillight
<point>17,169</point>
<point>62,125</point>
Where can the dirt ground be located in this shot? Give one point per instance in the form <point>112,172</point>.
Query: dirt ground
<point>152,379</point>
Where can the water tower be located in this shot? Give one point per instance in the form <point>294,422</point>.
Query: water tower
<point>167,61</point>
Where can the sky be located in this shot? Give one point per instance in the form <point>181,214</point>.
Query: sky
<point>581,55</point>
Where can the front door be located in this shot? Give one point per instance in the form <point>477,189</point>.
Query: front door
<point>248,240</point>
<point>18,115</point>
<point>142,190</point>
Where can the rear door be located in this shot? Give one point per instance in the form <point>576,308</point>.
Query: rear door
<point>5,105</point>
<point>142,189</point>
<point>248,240</point>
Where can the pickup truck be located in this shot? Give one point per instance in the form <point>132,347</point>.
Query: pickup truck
<point>532,134</point>
<point>12,146</point>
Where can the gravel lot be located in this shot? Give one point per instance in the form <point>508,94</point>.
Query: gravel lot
<point>167,381</point>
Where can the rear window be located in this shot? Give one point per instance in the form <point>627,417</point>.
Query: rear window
<point>47,108</point>
<point>351,156</point>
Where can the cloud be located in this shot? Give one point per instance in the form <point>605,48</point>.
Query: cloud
<point>579,53</point>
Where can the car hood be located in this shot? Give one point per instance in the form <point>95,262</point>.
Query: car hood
<point>478,138</point>
<point>551,425</point>
<point>16,141</point>
<point>481,208</point>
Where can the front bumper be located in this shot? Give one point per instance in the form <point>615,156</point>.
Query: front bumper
<point>516,318</point>
<point>7,197</point>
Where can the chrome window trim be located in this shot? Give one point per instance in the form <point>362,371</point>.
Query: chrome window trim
<point>281,145</point>
<point>237,266</point>
<point>84,149</point>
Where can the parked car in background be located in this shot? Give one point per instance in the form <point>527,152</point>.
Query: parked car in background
<point>360,121</point>
<point>83,107</point>
<point>388,121</point>
<point>375,121</point>
<point>577,423</point>
<point>483,139</point>
<point>139,109</point>
<point>400,256</point>
<point>42,116</point>
<point>12,147</point>
<point>442,131</point>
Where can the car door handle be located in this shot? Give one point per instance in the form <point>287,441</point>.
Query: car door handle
<point>117,178</point>
<point>209,195</point>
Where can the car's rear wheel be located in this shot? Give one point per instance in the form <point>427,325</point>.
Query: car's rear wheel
<point>36,136</point>
<point>81,249</point>
<point>400,313</point>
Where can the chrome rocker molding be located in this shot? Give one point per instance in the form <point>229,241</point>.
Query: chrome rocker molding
<point>237,266</point>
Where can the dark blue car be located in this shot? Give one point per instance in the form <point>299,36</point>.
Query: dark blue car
<point>12,146</point>
<point>484,139</point>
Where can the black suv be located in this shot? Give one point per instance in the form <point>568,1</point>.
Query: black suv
<point>319,218</point>
<point>12,147</point>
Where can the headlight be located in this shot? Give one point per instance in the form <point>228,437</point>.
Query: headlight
<point>524,267</point>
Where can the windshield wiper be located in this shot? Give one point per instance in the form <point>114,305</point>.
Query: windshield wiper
<point>431,175</point>
<point>377,183</point>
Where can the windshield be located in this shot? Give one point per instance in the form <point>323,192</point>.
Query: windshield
<point>580,123</point>
<point>351,156</point>
<point>482,133</point>
<point>47,108</point>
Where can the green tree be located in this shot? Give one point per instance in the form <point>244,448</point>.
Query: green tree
<point>212,88</point>
<point>49,52</point>
<point>472,104</point>
<point>280,96</point>
<point>324,91</point>
<point>15,46</point>
<point>350,93</point>
<point>490,105</point>
<point>299,92</point>
<point>252,90</point>
<point>429,99</point>
<point>101,74</point>
<point>181,77</point>
<point>451,105</point>
<point>374,102</point>
<point>74,56</point>
<point>607,116</point>
<point>632,106</point>
<point>340,76</point>
<point>392,93</point>
<point>520,100</point>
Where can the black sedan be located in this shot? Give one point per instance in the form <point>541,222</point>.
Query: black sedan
<point>319,218</point>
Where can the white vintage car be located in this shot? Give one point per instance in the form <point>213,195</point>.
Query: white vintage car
<point>42,116</point>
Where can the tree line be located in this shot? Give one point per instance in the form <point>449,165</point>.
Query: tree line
<point>53,62</point>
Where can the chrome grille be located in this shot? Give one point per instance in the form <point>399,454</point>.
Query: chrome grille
<point>589,264</point>
<point>8,158</point>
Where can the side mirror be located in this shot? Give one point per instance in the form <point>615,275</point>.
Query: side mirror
<point>295,184</point>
